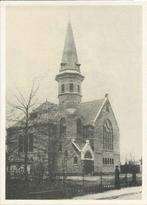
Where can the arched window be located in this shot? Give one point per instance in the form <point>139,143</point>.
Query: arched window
<point>60,148</point>
<point>66,153</point>
<point>71,87</point>
<point>78,86</point>
<point>107,135</point>
<point>62,88</point>
<point>75,160</point>
<point>62,127</point>
<point>88,155</point>
<point>21,143</point>
<point>30,143</point>
<point>79,127</point>
<point>88,131</point>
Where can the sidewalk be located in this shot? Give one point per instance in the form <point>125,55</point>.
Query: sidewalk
<point>125,193</point>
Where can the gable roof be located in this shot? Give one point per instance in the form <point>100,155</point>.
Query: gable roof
<point>82,148</point>
<point>78,145</point>
<point>89,110</point>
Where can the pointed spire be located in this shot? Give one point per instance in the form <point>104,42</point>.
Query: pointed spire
<point>69,58</point>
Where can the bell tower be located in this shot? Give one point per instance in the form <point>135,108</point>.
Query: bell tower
<point>69,77</point>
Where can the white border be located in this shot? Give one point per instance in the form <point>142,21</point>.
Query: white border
<point>2,103</point>
<point>3,5</point>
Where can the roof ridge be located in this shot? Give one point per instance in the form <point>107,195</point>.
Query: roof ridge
<point>49,102</point>
<point>45,102</point>
<point>92,100</point>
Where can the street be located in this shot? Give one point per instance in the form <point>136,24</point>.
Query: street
<point>121,194</point>
<point>130,196</point>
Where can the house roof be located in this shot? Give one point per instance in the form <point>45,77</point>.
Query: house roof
<point>89,110</point>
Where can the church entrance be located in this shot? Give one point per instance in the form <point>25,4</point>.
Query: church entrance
<point>88,167</point>
<point>88,162</point>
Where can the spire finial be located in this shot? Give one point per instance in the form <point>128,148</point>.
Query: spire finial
<point>106,95</point>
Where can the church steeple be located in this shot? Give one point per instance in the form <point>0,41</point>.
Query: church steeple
<point>69,57</point>
<point>69,78</point>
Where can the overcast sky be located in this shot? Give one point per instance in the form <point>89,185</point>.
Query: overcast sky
<point>109,46</point>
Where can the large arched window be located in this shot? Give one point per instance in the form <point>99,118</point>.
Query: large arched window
<point>107,135</point>
<point>79,127</point>
<point>62,127</point>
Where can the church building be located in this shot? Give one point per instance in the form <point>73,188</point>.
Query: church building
<point>73,136</point>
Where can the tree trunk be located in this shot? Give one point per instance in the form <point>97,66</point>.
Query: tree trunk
<point>26,148</point>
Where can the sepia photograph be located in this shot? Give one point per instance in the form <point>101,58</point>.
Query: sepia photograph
<point>73,102</point>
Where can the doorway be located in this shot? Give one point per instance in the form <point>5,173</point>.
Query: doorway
<point>88,167</point>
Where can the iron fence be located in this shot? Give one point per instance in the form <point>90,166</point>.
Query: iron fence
<point>67,188</point>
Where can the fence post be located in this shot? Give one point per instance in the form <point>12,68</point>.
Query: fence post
<point>101,181</point>
<point>134,175</point>
<point>126,172</point>
<point>126,179</point>
<point>83,175</point>
<point>117,182</point>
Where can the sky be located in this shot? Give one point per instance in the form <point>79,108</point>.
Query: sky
<point>109,46</point>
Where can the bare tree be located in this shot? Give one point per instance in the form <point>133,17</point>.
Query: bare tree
<point>25,106</point>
